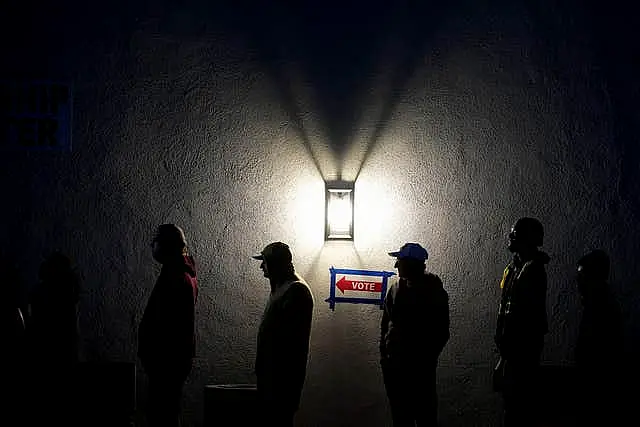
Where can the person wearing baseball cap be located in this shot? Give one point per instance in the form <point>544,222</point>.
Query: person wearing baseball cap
<point>283,337</point>
<point>414,330</point>
<point>279,257</point>
<point>411,251</point>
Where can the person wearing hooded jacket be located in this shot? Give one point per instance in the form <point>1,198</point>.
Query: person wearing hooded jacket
<point>414,331</point>
<point>599,351</point>
<point>522,322</point>
<point>166,336</point>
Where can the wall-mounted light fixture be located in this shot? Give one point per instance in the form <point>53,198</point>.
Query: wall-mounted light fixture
<point>339,210</point>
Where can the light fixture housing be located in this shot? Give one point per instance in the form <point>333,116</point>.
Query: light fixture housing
<point>339,197</point>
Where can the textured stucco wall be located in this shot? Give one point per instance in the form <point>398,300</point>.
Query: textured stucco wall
<point>177,118</point>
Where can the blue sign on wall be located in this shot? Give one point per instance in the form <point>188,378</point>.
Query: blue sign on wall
<point>35,115</point>
<point>358,286</point>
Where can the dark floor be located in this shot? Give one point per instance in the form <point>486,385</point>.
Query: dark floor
<point>107,398</point>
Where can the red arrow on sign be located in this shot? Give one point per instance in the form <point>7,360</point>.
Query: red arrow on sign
<point>357,285</point>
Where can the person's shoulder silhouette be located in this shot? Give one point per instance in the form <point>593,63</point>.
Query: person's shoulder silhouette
<point>58,279</point>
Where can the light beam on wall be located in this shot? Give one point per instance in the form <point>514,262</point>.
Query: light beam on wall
<point>339,210</point>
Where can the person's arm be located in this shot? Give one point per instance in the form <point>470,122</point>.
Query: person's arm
<point>144,334</point>
<point>498,338</point>
<point>168,324</point>
<point>294,331</point>
<point>384,324</point>
<point>184,319</point>
<point>297,311</point>
<point>442,322</point>
<point>528,323</point>
<point>436,316</point>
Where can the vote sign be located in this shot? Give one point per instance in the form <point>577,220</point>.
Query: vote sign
<point>358,286</point>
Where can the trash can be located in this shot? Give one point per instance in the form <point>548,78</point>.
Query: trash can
<point>230,405</point>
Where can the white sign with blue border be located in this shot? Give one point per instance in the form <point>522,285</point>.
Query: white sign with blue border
<point>357,286</point>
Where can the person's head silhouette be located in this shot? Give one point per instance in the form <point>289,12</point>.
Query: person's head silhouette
<point>277,264</point>
<point>169,243</point>
<point>527,234</point>
<point>410,260</point>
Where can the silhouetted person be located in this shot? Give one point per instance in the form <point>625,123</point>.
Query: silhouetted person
<point>13,342</point>
<point>599,346</point>
<point>414,330</point>
<point>522,321</point>
<point>283,337</point>
<point>53,320</point>
<point>52,334</point>
<point>166,337</point>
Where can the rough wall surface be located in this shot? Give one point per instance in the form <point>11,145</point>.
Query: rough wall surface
<point>178,118</point>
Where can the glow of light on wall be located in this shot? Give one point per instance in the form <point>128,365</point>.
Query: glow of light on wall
<point>304,214</point>
<point>373,212</point>
<point>339,211</point>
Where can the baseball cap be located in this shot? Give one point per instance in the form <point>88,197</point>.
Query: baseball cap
<point>411,250</point>
<point>276,251</point>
